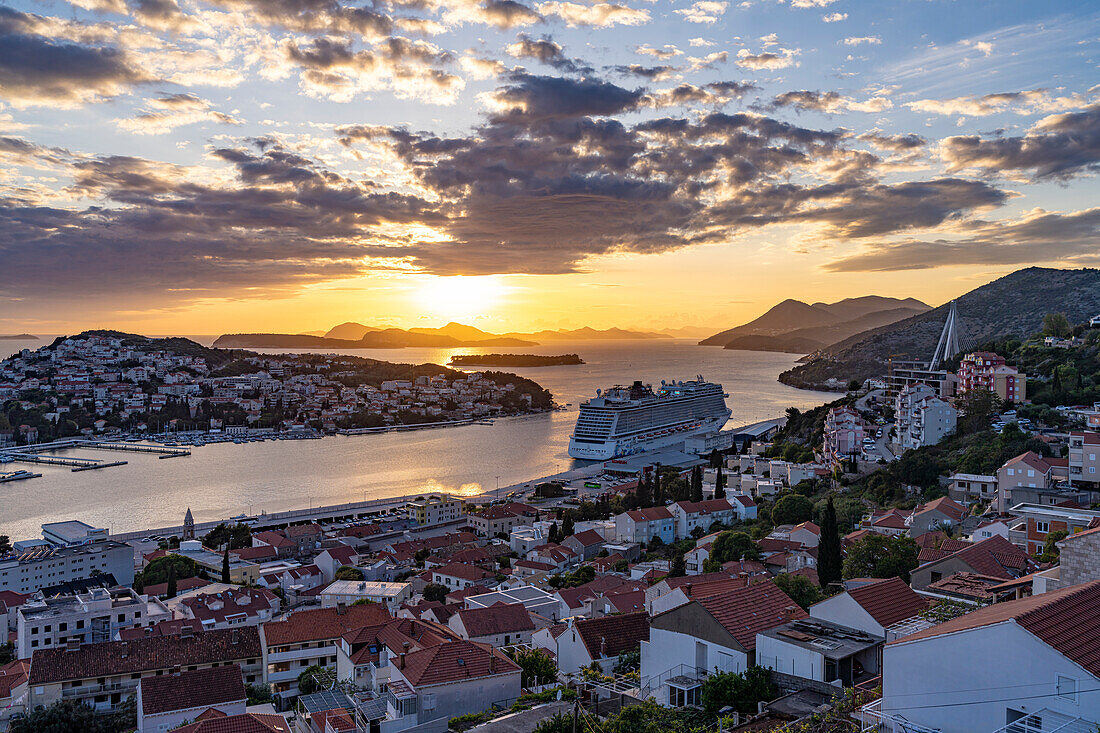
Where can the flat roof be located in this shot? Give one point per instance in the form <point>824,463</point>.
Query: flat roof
<point>364,588</point>
<point>1055,511</point>
<point>831,640</point>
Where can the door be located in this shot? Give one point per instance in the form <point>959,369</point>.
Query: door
<point>700,656</point>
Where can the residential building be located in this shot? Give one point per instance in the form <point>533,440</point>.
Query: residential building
<point>1039,521</point>
<point>498,520</point>
<point>586,544</point>
<point>365,656</point>
<point>717,633</point>
<point>643,525</point>
<point>500,625</point>
<point>535,600</point>
<point>690,515</point>
<point>921,418</point>
<point>229,607</point>
<point>872,608</point>
<point>806,534</point>
<point>309,638</point>
<point>971,488</point>
<point>440,682</point>
<point>526,538</point>
<point>1084,459</point>
<point>41,567</point>
<point>901,374</point>
<point>936,514</point>
<point>435,509</point>
<point>843,435</point>
<point>13,689</point>
<point>347,592</point>
<point>580,641</point>
<point>1057,633</point>
<point>1028,470</point>
<point>217,722</point>
<point>94,616</point>
<point>103,675</point>
<point>819,650</point>
<point>984,370</point>
<point>1079,561</point>
<point>72,532</point>
<point>995,557</point>
<point>168,701</point>
<point>458,576</point>
<point>331,559</point>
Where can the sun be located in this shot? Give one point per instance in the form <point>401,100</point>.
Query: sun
<point>460,298</point>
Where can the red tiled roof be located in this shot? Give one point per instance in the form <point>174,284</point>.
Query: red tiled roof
<point>219,607</point>
<point>650,514</point>
<point>674,583</point>
<point>808,526</point>
<point>889,601</point>
<point>302,530</point>
<point>12,675</point>
<point>160,589</point>
<point>745,501</point>
<point>891,521</point>
<point>273,538</point>
<point>503,618</point>
<point>946,506</point>
<point>609,636</point>
<point>471,573</point>
<point>455,661</point>
<point>1030,459</point>
<point>263,552</point>
<point>713,587</point>
<point>199,688</point>
<point>995,556</point>
<point>145,654</point>
<point>628,601</point>
<point>322,623</point>
<point>970,585</point>
<point>1065,619</point>
<point>708,506</point>
<point>746,611</point>
<point>589,537</point>
<point>247,723</point>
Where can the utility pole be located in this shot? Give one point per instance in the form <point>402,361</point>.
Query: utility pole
<point>576,710</point>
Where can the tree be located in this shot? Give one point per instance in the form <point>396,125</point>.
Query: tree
<point>313,679</point>
<point>258,694</point>
<point>830,562</point>
<point>553,536</point>
<point>435,592</point>
<point>172,590</point>
<point>536,666</point>
<point>697,483</point>
<point>677,568</point>
<point>157,571</point>
<point>800,588</point>
<point>720,484</point>
<point>733,546</point>
<point>5,544</point>
<point>879,556</point>
<point>1056,324</point>
<point>978,406</point>
<point>643,493</point>
<point>740,691</point>
<point>621,566</point>
<point>347,572</point>
<point>7,653</point>
<point>711,565</point>
<point>792,509</point>
<point>225,565</point>
<point>1050,552</point>
<point>236,536</point>
<point>567,527</point>
<point>70,716</point>
<point>658,489</point>
<point>715,458</point>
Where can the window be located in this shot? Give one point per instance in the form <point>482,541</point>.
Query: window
<point>1067,688</point>
<point>1042,527</point>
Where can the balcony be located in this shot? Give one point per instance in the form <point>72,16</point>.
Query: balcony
<point>92,690</point>
<point>1048,721</point>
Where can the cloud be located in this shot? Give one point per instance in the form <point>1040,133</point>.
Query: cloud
<point>827,102</point>
<point>1058,147</point>
<point>834,17</point>
<point>174,110</point>
<point>780,58</point>
<point>652,73</point>
<point>502,14</point>
<point>894,143</point>
<point>715,94</point>
<point>811,3</point>
<point>862,41</point>
<point>597,14</point>
<point>1036,237</point>
<point>1026,102</point>
<point>703,11</point>
<point>664,54</point>
<point>700,43</point>
<point>545,51</point>
<point>36,70</point>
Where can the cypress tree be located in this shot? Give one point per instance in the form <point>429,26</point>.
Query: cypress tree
<point>171,581</point>
<point>658,490</point>
<point>225,564</point>
<point>678,568</point>
<point>829,561</point>
<point>720,485</point>
<point>554,536</point>
<point>567,526</point>
<point>697,483</point>
<point>643,493</point>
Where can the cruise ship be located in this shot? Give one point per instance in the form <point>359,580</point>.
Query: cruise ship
<point>625,420</point>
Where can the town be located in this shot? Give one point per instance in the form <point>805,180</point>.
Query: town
<point>109,384</point>
<point>880,563</point>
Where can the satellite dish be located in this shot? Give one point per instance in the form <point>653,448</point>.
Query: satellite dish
<point>599,392</point>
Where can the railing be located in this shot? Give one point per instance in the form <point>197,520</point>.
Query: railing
<point>680,670</point>
<point>1048,721</point>
<point>872,719</point>
<point>88,690</point>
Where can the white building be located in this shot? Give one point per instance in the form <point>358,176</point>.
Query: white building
<point>41,567</point>
<point>873,607</point>
<point>583,641</point>
<point>347,592</point>
<point>690,515</point>
<point>165,702</point>
<point>643,525</point>
<point>921,417</point>
<point>1034,662</point>
<point>435,509</point>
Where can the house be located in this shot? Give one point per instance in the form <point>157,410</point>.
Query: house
<point>168,701</point>
<point>229,608</point>
<point>213,721</point>
<point>1057,633</point>
<point>872,608</point>
<point>535,600</point>
<point>499,520</point>
<point>440,682</point>
<point>1039,521</point>
<point>667,584</point>
<point>645,525</point>
<point>13,689</point>
<point>806,534</point>
<point>331,559</point>
<point>347,592</point>
<point>892,523</point>
<point>284,547</point>
<point>293,581</point>
<point>306,537</point>
<point>744,508</point>
<point>995,557</point>
<point>694,559</point>
<point>499,625</point>
<point>717,633</point>
<point>819,650</point>
<point>435,509</point>
<point>365,655</point>
<point>986,370</point>
<point>103,675</point>
<point>990,527</point>
<point>690,515</point>
<point>309,638</point>
<point>684,592</point>
<point>843,435</point>
<point>458,576</point>
<point>559,556</point>
<point>1027,470</point>
<point>1079,562</point>
<point>601,640</point>
<point>972,488</point>
<point>938,513</point>
<point>585,544</point>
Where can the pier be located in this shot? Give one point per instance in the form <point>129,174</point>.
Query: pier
<point>413,426</point>
<point>163,451</point>
<point>76,464</point>
<point>34,453</point>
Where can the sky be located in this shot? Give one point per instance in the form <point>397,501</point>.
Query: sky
<point>210,166</point>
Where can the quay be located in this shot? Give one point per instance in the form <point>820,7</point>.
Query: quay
<point>77,464</point>
<point>413,426</point>
<point>17,476</point>
<point>33,453</point>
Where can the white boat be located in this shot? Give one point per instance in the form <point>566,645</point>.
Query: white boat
<point>626,420</point>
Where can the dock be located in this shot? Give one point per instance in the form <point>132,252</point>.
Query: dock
<point>413,426</point>
<point>163,451</point>
<point>76,464</point>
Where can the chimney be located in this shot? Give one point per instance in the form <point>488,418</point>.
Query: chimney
<point>341,609</point>
<point>187,632</point>
<point>790,612</point>
<point>603,645</point>
<point>401,660</point>
<point>492,658</point>
<point>687,589</point>
<point>124,649</point>
<point>235,637</point>
<point>175,671</point>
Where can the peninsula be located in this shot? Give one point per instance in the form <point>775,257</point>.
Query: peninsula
<point>513,360</point>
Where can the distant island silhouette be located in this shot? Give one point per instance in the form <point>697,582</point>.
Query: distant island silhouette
<point>514,360</point>
<point>17,337</point>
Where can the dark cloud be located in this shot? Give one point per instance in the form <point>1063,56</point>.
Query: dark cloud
<point>807,100</point>
<point>530,97</point>
<point>1039,237</point>
<point>1058,147</point>
<point>321,16</point>
<point>653,73</point>
<point>547,52</point>
<point>39,70</point>
<point>895,143</point>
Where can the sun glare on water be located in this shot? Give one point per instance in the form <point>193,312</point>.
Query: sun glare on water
<point>459,298</point>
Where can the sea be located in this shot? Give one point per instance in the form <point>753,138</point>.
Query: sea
<point>223,480</point>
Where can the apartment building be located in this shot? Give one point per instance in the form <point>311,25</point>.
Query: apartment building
<point>642,525</point>
<point>1084,459</point>
<point>972,487</point>
<point>844,434</point>
<point>88,618</point>
<point>435,509</point>
<point>1040,520</point>
<point>921,418</point>
<point>41,567</point>
<point>985,370</point>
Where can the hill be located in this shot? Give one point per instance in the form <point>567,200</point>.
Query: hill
<point>799,327</point>
<point>387,338</point>
<point>1012,306</point>
<point>350,331</point>
<point>589,334</point>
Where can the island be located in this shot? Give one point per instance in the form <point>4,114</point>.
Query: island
<point>513,360</point>
<point>17,337</point>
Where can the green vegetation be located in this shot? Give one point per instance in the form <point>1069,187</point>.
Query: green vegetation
<point>732,545</point>
<point>830,561</point>
<point>1050,552</point>
<point>582,575</point>
<point>158,570</point>
<point>742,692</point>
<point>879,556</point>
<point>800,588</point>
<point>258,694</point>
<point>347,572</point>
<point>792,509</point>
<point>238,536</point>
<point>538,668</point>
<point>315,678</point>
<point>68,716</point>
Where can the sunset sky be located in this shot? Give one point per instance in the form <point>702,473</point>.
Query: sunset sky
<point>209,166</point>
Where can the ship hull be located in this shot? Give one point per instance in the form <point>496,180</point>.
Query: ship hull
<point>603,450</point>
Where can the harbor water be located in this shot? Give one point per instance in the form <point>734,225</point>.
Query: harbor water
<point>222,480</point>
